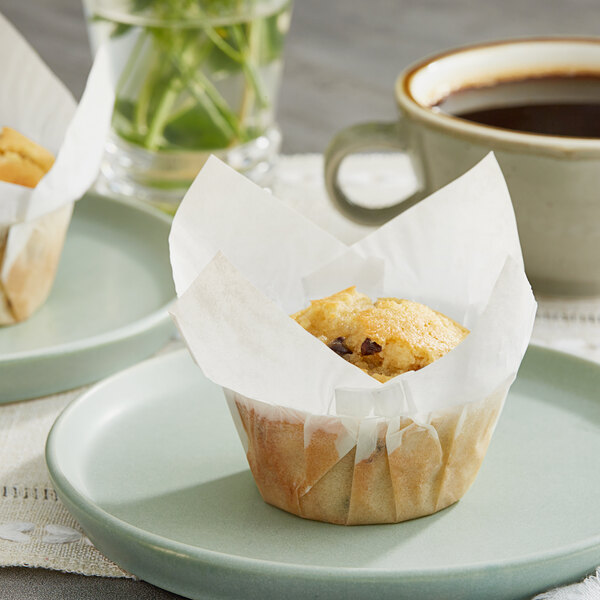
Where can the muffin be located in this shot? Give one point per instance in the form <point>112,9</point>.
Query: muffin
<point>27,269</point>
<point>385,338</point>
<point>355,412</point>
<point>22,161</point>
<point>412,467</point>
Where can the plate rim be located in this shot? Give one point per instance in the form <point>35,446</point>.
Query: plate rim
<point>161,544</point>
<point>157,318</point>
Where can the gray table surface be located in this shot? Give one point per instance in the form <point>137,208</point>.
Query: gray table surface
<point>341,60</point>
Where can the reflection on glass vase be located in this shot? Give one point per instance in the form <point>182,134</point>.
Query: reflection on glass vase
<point>194,78</point>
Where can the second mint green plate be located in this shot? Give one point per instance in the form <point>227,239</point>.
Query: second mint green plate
<point>151,466</point>
<point>107,308</point>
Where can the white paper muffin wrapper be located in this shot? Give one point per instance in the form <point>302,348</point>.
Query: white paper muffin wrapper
<point>26,279</point>
<point>351,470</point>
<point>242,262</point>
<point>35,103</point>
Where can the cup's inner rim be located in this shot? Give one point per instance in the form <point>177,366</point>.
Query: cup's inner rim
<point>500,74</point>
<point>436,68</point>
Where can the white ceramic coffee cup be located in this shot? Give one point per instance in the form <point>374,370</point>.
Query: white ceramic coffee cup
<point>554,181</point>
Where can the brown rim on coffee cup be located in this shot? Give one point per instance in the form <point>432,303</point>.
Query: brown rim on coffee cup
<point>569,145</point>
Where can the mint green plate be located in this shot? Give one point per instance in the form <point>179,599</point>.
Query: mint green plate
<point>107,309</point>
<point>151,466</point>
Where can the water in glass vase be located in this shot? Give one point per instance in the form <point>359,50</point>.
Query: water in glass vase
<point>195,77</point>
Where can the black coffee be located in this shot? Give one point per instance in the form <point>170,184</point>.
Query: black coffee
<point>565,105</point>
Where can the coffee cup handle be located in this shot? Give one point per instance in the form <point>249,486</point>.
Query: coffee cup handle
<point>357,138</point>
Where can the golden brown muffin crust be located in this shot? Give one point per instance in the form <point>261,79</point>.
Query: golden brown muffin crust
<point>22,161</point>
<point>385,338</point>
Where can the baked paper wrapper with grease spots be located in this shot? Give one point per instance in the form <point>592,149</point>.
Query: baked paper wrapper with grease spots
<point>323,439</point>
<point>34,221</point>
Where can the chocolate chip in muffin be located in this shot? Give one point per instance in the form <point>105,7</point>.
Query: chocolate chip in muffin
<point>369,347</point>
<point>339,347</point>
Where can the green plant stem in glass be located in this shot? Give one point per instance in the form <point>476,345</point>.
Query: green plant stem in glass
<point>199,75</point>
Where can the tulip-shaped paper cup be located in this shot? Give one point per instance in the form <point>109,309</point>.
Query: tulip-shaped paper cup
<point>34,220</point>
<point>323,439</point>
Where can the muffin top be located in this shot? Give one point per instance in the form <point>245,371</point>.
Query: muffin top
<point>22,161</point>
<point>384,338</point>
